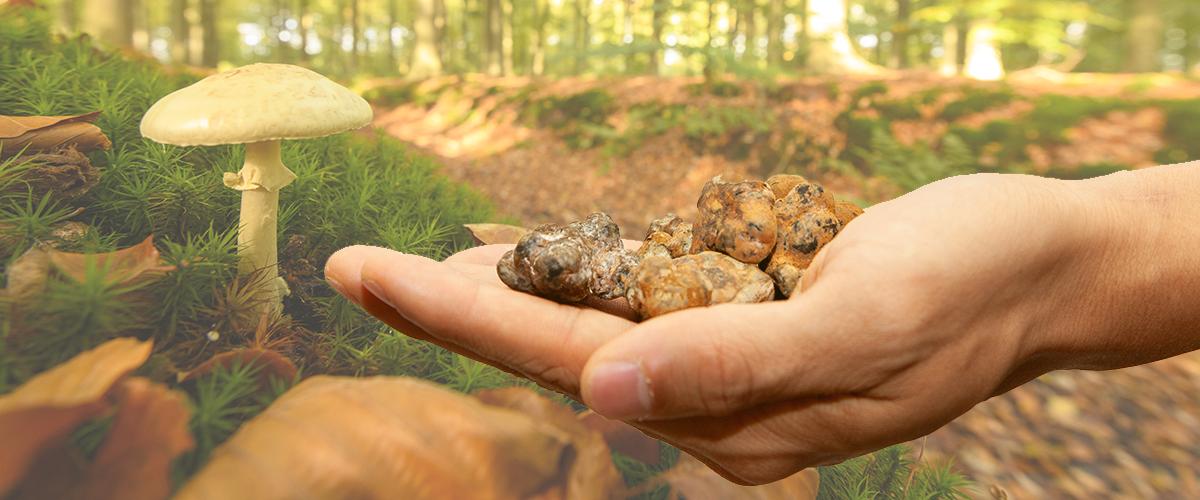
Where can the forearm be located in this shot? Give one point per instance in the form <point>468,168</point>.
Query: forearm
<point>1138,299</point>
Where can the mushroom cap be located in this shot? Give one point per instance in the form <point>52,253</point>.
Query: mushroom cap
<point>255,103</point>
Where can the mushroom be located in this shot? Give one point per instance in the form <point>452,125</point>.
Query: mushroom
<point>257,105</point>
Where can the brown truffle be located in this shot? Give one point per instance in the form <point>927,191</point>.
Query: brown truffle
<point>806,223</point>
<point>670,234</point>
<point>569,263</point>
<point>736,219</point>
<point>665,285</point>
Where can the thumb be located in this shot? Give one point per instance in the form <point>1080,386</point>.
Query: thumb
<point>718,360</point>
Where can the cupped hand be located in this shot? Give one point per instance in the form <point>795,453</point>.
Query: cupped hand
<point>921,308</point>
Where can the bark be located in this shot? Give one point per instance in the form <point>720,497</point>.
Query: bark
<point>493,31</point>
<point>709,63</point>
<point>354,31</point>
<point>181,50</point>
<point>109,21</point>
<point>983,56</point>
<point>627,36</point>
<point>900,31</point>
<point>426,61</point>
<point>1145,39</point>
<point>537,62</point>
<point>657,22</point>
<point>750,28</point>
<point>581,34</point>
<point>68,16</point>
<point>304,21</point>
<point>507,36</point>
<point>950,37</point>
<point>774,31</point>
<point>830,49</point>
<point>211,52</point>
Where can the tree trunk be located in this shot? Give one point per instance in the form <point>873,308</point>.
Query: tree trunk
<point>950,36</point>
<point>582,8</point>
<point>710,69</point>
<point>775,31</point>
<point>493,33</point>
<point>830,50</point>
<point>109,21</point>
<point>657,21</point>
<point>181,50</point>
<point>304,27</point>
<point>354,31</point>
<point>749,22</point>
<point>900,31</point>
<point>507,36</point>
<point>68,16</point>
<point>627,36</point>
<point>440,27</point>
<point>211,54</point>
<point>1145,38</point>
<point>537,62</point>
<point>983,56</point>
<point>425,59</point>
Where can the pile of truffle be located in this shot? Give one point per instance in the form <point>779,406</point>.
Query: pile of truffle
<point>752,243</point>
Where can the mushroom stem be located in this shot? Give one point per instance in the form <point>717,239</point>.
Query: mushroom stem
<point>260,179</point>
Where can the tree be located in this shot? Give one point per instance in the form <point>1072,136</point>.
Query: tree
<point>658,19</point>
<point>493,37</point>
<point>110,21</point>
<point>983,54</point>
<point>211,51</point>
<point>1145,36</point>
<point>830,49</point>
<point>900,31</point>
<point>426,60</point>
<point>775,31</point>
<point>181,31</point>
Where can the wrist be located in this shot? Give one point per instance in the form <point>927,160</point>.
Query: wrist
<point>1126,293</point>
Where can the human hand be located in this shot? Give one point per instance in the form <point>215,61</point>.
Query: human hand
<point>920,309</point>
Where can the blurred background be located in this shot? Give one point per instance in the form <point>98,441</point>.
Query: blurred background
<point>552,109</point>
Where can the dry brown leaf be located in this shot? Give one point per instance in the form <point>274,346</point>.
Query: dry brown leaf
<point>49,405</point>
<point>593,474</point>
<point>623,437</point>
<point>386,437</point>
<point>127,266</point>
<point>495,234</point>
<point>48,133</point>
<point>66,174</point>
<point>694,480</point>
<point>270,364</point>
<point>149,430</point>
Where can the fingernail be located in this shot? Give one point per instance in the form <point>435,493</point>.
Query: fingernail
<point>336,285</point>
<point>377,291</point>
<point>620,391</point>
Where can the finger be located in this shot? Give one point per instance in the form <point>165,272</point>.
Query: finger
<point>543,340</point>
<point>719,360</point>
<point>343,270</point>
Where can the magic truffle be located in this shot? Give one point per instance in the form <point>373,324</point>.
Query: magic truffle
<point>736,219</point>
<point>669,236</point>
<point>663,285</point>
<point>569,263</point>
<point>807,218</point>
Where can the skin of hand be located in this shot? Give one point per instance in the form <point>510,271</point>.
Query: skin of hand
<point>921,308</point>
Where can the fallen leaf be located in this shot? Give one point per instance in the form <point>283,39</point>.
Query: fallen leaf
<point>149,430</point>
<point>128,266</point>
<point>270,364</point>
<point>593,475</point>
<point>623,437</point>
<point>495,234</point>
<point>30,134</point>
<point>26,276</point>
<point>388,437</point>
<point>48,406</point>
<point>694,480</point>
<point>66,174</point>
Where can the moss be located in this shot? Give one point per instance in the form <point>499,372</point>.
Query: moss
<point>976,100</point>
<point>1181,132</point>
<point>1087,171</point>
<point>717,88</point>
<point>891,474</point>
<point>898,109</point>
<point>1053,115</point>
<point>393,95</point>
<point>869,90</point>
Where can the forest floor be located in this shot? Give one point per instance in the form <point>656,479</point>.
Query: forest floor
<point>1125,433</point>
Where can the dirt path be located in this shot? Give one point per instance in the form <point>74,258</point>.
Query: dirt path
<point>1130,433</point>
